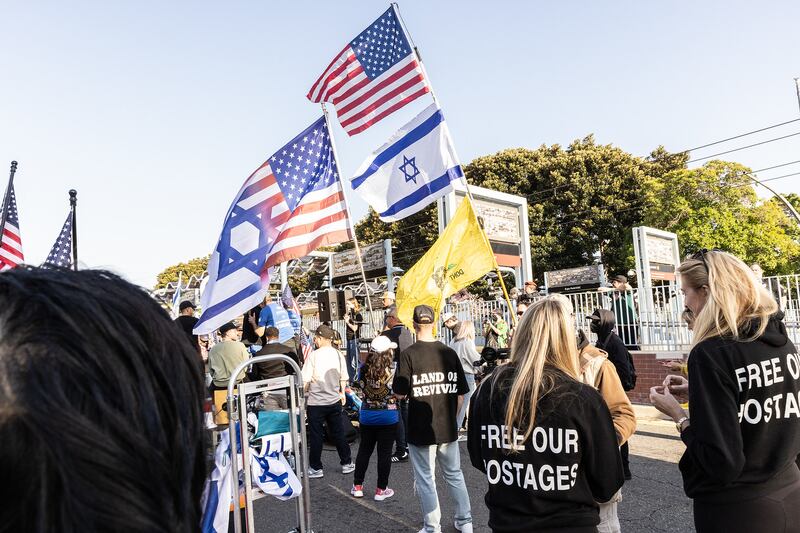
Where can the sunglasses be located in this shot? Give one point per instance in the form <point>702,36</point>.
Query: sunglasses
<point>701,255</point>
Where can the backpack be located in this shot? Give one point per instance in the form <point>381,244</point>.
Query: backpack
<point>629,381</point>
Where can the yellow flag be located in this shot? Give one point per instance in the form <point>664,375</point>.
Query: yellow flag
<point>460,256</point>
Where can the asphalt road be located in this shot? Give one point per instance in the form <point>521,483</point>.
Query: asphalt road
<point>653,501</point>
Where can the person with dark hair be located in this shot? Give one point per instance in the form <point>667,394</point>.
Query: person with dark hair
<point>352,322</point>
<point>624,308</point>
<point>401,336</point>
<point>274,369</point>
<point>186,320</point>
<point>101,418</point>
<point>378,416</point>
<point>603,324</point>
<point>225,356</point>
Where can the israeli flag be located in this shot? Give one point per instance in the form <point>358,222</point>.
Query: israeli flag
<point>413,169</point>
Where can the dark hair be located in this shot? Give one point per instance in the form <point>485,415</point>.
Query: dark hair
<point>377,364</point>
<point>101,407</point>
<point>271,331</point>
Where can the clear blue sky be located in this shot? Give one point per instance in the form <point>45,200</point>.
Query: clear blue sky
<point>156,111</point>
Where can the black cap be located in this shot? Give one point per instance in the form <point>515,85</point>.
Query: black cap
<point>225,328</point>
<point>186,304</point>
<point>423,314</point>
<point>326,332</point>
<point>620,278</point>
<point>595,315</point>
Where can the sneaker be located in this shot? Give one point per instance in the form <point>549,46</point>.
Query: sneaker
<point>382,494</point>
<point>462,438</point>
<point>400,457</point>
<point>348,468</point>
<point>358,491</point>
<point>464,528</point>
<point>314,474</point>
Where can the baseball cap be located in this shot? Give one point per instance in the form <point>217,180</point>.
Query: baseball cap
<point>423,314</point>
<point>389,295</point>
<point>225,328</point>
<point>326,332</point>
<point>381,343</point>
<point>448,316</point>
<point>595,315</point>
<point>620,278</point>
<point>186,304</point>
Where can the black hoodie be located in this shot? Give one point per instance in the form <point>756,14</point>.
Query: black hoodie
<point>609,341</point>
<point>744,404</point>
<point>570,462</point>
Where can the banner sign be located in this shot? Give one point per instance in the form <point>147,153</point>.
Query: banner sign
<point>575,279</point>
<point>345,264</point>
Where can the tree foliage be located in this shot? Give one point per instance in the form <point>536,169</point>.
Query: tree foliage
<point>193,267</point>
<point>411,237</point>
<point>715,206</point>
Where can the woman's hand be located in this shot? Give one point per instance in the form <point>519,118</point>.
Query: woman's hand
<point>677,384</point>
<point>675,366</point>
<point>665,402</point>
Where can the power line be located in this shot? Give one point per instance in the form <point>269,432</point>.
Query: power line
<point>739,136</point>
<point>744,147</point>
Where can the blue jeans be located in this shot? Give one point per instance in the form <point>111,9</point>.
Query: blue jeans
<point>462,413</point>
<point>423,462</point>
<point>352,359</point>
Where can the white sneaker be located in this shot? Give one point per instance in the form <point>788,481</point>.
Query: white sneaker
<point>381,495</point>
<point>348,468</point>
<point>314,474</point>
<point>464,528</point>
<point>357,491</point>
<point>462,438</point>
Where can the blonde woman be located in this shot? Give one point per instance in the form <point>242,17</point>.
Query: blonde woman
<point>742,432</point>
<point>545,440</point>
<point>464,346</point>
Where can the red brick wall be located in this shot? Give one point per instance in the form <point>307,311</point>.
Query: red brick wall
<point>649,373</point>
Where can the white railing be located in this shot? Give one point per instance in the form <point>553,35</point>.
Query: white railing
<point>648,319</point>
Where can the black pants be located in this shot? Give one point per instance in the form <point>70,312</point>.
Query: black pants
<point>623,452</point>
<point>332,416</point>
<point>778,512</point>
<point>402,429</point>
<point>383,436</point>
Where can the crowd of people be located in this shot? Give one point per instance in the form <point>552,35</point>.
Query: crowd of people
<point>87,412</point>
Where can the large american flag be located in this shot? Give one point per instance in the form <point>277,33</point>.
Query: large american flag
<point>11,242</point>
<point>376,74</point>
<point>291,205</point>
<point>61,253</point>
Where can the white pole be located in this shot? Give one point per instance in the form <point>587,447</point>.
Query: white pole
<point>349,214</point>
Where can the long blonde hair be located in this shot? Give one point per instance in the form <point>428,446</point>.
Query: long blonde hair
<point>544,340</point>
<point>735,298</point>
<point>466,331</point>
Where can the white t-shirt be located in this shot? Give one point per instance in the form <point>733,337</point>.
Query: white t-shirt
<point>325,374</point>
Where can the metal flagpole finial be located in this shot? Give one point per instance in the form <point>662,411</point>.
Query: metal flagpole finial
<point>13,166</point>
<point>73,197</point>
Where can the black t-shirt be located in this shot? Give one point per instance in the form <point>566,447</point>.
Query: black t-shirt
<point>187,323</point>
<point>401,336</point>
<point>349,333</point>
<point>432,377</point>
<point>569,462</point>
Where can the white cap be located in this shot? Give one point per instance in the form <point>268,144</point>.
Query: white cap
<point>382,343</point>
<point>447,316</point>
<point>389,295</point>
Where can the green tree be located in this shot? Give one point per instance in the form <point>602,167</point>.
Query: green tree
<point>411,237</point>
<point>715,206</point>
<point>582,200</point>
<point>193,267</point>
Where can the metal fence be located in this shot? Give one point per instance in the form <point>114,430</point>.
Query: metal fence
<point>648,318</point>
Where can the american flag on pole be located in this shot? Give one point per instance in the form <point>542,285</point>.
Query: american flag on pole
<point>11,242</point>
<point>291,205</point>
<point>61,253</point>
<point>376,74</point>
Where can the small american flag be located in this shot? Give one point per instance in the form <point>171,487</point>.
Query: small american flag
<point>61,253</point>
<point>291,205</point>
<point>287,298</point>
<point>375,75</point>
<point>11,242</point>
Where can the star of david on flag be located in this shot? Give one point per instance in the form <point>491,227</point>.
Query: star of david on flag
<point>376,74</point>
<point>414,168</point>
<point>61,253</point>
<point>291,205</point>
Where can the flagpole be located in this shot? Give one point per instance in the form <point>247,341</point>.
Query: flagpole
<point>349,215</point>
<point>7,199</point>
<point>73,202</point>
<point>463,176</point>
